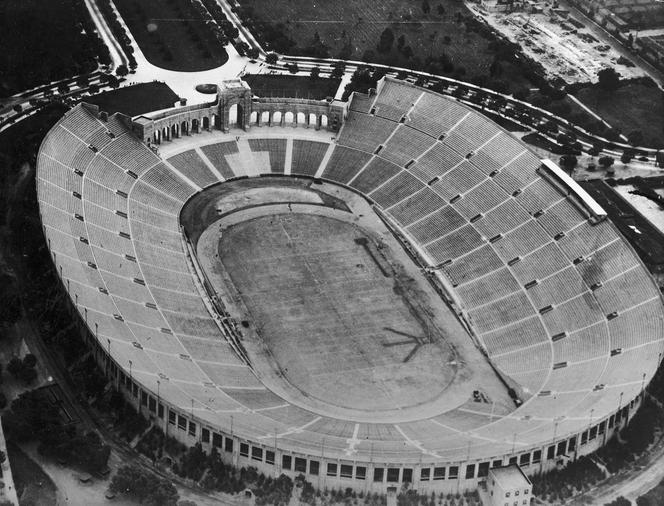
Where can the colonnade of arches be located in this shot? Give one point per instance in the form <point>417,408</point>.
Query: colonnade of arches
<point>288,118</point>
<point>176,128</point>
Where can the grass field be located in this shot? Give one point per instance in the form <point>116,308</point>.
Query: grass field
<point>351,28</point>
<point>172,34</point>
<point>136,99</point>
<point>629,108</point>
<point>266,85</point>
<point>339,323</point>
<point>44,41</point>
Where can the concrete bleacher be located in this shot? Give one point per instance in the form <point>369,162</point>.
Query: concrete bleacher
<point>536,281</point>
<point>307,156</point>
<point>191,163</point>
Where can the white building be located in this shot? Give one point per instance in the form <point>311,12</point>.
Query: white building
<point>508,486</point>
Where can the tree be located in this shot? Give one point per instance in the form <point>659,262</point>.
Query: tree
<point>620,501</point>
<point>15,367</point>
<point>338,70</point>
<point>315,73</point>
<point>121,71</point>
<point>606,161</point>
<point>608,79</point>
<point>441,10</point>
<point>568,162</point>
<point>386,41</point>
<point>635,137</point>
<point>29,360</point>
<point>271,58</point>
<point>252,53</point>
<point>18,108</point>
<point>293,68</point>
<point>426,8</point>
<point>627,156</point>
<point>144,486</point>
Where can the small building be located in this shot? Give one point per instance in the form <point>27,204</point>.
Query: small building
<point>508,486</point>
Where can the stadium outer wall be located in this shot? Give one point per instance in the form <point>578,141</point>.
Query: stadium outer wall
<point>360,475</point>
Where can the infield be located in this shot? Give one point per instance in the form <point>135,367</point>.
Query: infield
<point>335,316</point>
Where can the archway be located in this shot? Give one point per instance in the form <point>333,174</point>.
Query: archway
<point>206,123</point>
<point>194,125</point>
<point>184,128</point>
<point>312,120</point>
<point>164,133</point>
<point>288,118</point>
<point>323,121</point>
<point>301,118</point>
<point>216,120</point>
<point>233,114</point>
<point>174,130</point>
<point>265,117</point>
<point>276,118</point>
<point>253,118</point>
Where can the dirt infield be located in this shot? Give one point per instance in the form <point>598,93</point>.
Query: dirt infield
<point>335,315</point>
<point>336,320</point>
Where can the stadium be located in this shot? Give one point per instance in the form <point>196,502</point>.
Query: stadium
<point>396,291</point>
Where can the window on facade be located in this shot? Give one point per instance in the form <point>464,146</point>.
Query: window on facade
<point>300,465</point>
<point>205,435</point>
<point>152,404</point>
<point>217,440</point>
<point>454,472</point>
<point>611,419</point>
<point>160,411</point>
<point>331,469</point>
<point>182,422</point>
<point>144,398</point>
<point>483,470</point>
<point>257,453</point>
<point>171,417</point>
<point>571,444</point>
<point>346,471</point>
<point>134,389</point>
<point>562,447</point>
<point>584,437</point>
<point>524,460</point>
<point>513,460</point>
<point>286,462</point>
<point>550,452</point>
<point>244,449</point>
<point>379,472</point>
<point>438,473</point>
<point>537,456</point>
<point>192,429</point>
<point>425,474</point>
<point>497,463</point>
<point>228,445</point>
<point>407,475</point>
<point>393,474</point>
<point>602,427</point>
<point>593,433</point>
<point>314,467</point>
<point>470,471</point>
<point>360,473</point>
<point>269,457</point>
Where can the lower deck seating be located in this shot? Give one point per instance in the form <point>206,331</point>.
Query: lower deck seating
<point>276,148</point>
<point>344,164</point>
<point>192,166</point>
<point>217,153</point>
<point>307,156</point>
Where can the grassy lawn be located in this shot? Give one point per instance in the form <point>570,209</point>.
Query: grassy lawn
<point>136,99</point>
<point>172,34</point>
<point>291,86</point>
<point>632,107</point>
<point>33,485</point>
<point>352,29</point>
<point>45,41</point>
